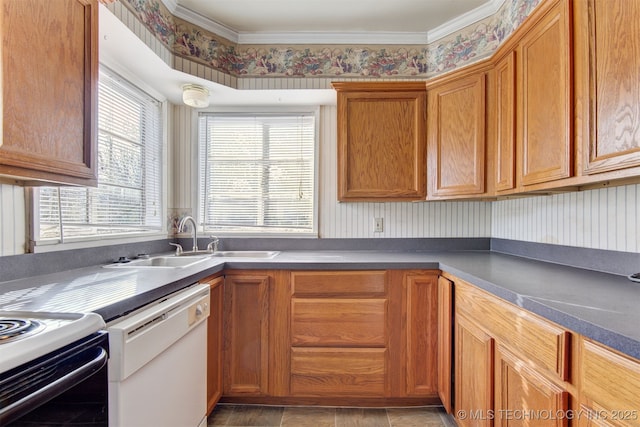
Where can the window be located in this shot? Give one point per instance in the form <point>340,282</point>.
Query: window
<point>128,198</point>
<point>257,173</point>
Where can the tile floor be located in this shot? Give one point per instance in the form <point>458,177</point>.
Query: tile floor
<point>295,416</point>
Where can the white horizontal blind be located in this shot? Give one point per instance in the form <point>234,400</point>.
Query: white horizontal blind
<point>257,172</point>
<point>128,198</point>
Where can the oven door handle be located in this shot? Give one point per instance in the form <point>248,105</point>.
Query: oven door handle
<point>55,388</point>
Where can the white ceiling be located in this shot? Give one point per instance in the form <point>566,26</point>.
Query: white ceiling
<point>284,21</point>
<point>331,15</point>
<point>333,21</point>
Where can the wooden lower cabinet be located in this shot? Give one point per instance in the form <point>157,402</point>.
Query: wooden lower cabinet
<point>214,341</point>
<point>246,346</point>
<point>445,342</point>
<point>473,374</point>
<point>331,337</point>
<point>524,397</point>
<point>610,386</point>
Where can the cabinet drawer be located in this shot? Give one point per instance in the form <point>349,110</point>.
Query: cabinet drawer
<point>338,372</point>
<point>611,382</point>
<point>336,284</point>
<point>338,322</point>
<point>537,339</point>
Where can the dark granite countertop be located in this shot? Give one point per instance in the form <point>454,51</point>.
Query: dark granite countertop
<point>601,306</point>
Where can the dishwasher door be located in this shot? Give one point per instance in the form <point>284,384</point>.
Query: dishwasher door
<point>158,364</point>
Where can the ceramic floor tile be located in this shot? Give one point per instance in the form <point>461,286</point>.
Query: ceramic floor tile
<point>358,417</point>
<point>309,417</point>
<point>415,417</point>
<point>263,416</point>
<point>220,416</point>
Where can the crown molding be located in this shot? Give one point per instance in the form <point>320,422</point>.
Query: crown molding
<point>464,20</point>
<point>308,37</point>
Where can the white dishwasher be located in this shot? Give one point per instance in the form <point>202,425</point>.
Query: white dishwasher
<point>158,363</point>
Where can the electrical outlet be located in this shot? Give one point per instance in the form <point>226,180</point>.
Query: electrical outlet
<point>378,225</point>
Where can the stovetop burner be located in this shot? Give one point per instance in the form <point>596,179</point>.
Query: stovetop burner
<point>15,329</point>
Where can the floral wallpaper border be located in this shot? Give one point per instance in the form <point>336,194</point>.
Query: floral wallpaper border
<point>192,42</point>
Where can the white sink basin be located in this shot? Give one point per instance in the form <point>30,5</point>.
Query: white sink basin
<point>161,262</point>
<point>246,254</point>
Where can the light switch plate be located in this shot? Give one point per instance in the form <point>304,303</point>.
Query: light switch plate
<point>378,225</point>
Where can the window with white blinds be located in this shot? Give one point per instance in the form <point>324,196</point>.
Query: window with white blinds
<point>128,198</point>
<point>257,173</point>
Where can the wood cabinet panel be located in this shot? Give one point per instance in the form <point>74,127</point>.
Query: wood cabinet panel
<point>534,337</point>
<point>456,137</point>
<point>608,87</point>
<point>523,397</point>
<point>339,283</point>
<point>422,320</point>
<point>381,141</point>
<point>610,384</point>
<point>473,373</point>
<point>338,371</point>
<point>49,85</point>
<point>246,369</point>
<point>445,342</point>
<point>214,342</point>
<point>505,113</point>
<point>339,322</point>
<point>545,116</point>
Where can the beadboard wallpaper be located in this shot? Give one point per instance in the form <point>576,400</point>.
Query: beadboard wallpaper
<point>607,218</point>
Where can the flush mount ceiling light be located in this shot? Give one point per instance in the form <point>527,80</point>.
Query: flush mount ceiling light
<point>195,96</point>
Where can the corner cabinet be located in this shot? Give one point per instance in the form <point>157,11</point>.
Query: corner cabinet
<point>381,141</point>
<point>456,152</point>
<point>49,91</point>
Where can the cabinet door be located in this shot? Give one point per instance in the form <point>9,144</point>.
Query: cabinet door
<point>214,342</point>
<point>381,141</point>
<point>607,83</point>
<point>456,137</point>
<point>246,334</point>
<point>505,113</point>
<point>545,145</point>
<point>49,82</point>
<point>422,318</point>
<point>473,374</point>
<point>610,385</point>
<point>523,397</point>
<point>445,342</point>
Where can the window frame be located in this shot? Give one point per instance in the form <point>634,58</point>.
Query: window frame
<point>40,246</point>
<point>265,110</point>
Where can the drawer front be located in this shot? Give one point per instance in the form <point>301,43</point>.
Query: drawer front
<point>536,339</point>
<point>339,284</point>
<point>612,383</point>
<point>338,372</point>
<point>338,322</point>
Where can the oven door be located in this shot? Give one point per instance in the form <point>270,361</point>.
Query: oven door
<point>68,384</point>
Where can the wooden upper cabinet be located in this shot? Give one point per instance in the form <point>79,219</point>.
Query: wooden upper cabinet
<point>456,136</point>
<point>545,139</point>
<point>505,122</point>
<point>49,91</point>
<point>607,83</point>
<point>381,141</point>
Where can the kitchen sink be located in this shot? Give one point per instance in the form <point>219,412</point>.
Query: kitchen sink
<point>245,254</point>
<point>161,262</point>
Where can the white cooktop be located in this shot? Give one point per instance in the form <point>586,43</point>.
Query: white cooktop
<point>55,331</point>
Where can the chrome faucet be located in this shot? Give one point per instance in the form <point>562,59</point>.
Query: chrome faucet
<point>195,230</point>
